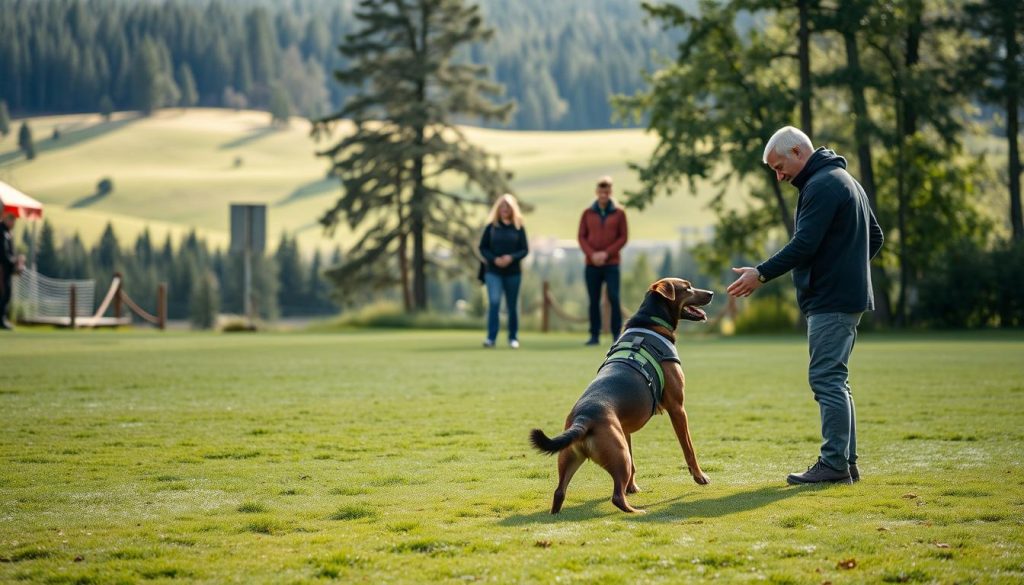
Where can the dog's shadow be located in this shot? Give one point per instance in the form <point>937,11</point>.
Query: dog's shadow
<point>684,507</point>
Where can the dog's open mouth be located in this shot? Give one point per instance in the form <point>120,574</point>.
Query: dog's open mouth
<point>694,313</point>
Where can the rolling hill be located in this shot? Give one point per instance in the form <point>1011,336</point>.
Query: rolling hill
<point>180,169</point>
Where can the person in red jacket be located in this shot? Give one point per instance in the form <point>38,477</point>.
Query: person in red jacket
<point>603,232</point>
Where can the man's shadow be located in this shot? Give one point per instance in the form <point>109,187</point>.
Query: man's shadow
<point>683,507</point>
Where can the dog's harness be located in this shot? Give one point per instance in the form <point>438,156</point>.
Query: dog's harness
<point>644,350</point>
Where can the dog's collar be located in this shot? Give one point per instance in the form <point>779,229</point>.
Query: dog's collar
<point>661,322</point>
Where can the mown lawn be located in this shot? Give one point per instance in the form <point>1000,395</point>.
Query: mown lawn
<point>402,457</point>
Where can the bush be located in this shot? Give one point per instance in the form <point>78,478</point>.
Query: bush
<point>768,315</point>
<point>975,288</point>
<point>105,186</point>
<point>391,316</point>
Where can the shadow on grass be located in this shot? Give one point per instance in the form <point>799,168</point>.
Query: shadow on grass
<point>253,136</point>
<point>670,510</point>
<point>89,200</point>
<point>310,189</point>
<point>72,137</point>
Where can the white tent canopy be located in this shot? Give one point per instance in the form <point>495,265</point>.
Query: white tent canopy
<point>18,203</point>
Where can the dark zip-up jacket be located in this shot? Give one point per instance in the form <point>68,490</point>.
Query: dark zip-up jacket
<point>836,235</point>
<point>500,239</point>
<point>603,231</point>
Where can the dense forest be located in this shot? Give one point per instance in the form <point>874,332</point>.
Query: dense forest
<point>557,62</point>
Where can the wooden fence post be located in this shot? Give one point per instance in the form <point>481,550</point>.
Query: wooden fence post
<point>545,310</point>
<point>117,296</point>
<point>161,305</point>
<point>74,301</point>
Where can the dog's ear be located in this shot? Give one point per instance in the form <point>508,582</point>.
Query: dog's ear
<point>665,289</point>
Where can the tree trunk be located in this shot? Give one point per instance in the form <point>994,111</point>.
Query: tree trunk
<point>907,123</point>
<point>862,136</point>
<point>787,217</point>
<point>804,35</point>
<point>418,209</point>
<point>1013,126</point>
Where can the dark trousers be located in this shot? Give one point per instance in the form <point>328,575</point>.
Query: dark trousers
<point>5,296</point>
<point>609,276</point>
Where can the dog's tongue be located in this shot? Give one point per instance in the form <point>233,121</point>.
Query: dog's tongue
<point>696,312</point>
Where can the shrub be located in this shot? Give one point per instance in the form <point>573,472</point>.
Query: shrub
<point>768,315</point>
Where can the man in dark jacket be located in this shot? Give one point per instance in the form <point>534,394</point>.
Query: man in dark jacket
<point>602,234</point>
<point>835,238</point>
<point>9,263</point>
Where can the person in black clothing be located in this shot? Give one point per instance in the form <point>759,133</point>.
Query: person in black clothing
<point>503,246</point>
<point>9,264</point>
<point>835,237</point>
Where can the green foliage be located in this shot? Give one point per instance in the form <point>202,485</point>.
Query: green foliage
<point>973,287</point>
<point>105,186</point>
<point>25,142</point>
<point>204,303</point>
<point>187,83</point>
<point>412,90</point>
<point>768,314</point>
<point>280,106</point>
<point>5,119</point>
<point>388,315</point>
<point>70,55</point>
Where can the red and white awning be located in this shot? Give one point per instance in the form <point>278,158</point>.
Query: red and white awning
<point>18,203</point>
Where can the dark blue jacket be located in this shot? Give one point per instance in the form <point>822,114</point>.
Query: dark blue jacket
<point>502,239</point>
<point>835,237</point>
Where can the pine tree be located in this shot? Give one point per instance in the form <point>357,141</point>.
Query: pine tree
<point>25,142</point>
<point>204,301</point>
<point>5,119</point>
<point>47,262</point>
<point>187,84</point>
<point>291,285</point>
<point>405,144</point>
<point>280,106</point>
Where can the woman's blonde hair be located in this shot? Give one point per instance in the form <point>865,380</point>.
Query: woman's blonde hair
<point>517,217</point>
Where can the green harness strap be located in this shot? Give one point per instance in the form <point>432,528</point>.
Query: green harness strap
<point>633,352</point>
<point>661,322</point>
<point>642,355</point>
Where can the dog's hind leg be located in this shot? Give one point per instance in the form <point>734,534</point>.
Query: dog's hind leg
<point>631,487</point>
<point>612,453</point>
<point>569,460</point>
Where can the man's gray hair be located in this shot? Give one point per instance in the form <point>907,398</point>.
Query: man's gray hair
<point>783,141</point>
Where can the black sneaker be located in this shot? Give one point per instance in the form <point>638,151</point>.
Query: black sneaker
<point>592,341</point>
<point>819,473</point>
<point>854,473</point>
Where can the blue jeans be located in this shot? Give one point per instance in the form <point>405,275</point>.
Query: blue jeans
<point>496,284</point>
<point>609,275</point>
<point>830,340</point>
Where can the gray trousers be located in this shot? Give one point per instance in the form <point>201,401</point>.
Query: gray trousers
<point>830,340</point>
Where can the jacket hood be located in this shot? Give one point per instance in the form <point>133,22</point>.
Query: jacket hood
<point>822,158</point>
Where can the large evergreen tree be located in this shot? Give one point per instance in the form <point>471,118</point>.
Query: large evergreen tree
<point>396,165</point>
<point>25,141</point>
<point>5,119</point>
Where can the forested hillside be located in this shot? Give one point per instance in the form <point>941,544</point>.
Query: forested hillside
<point>559,61</point>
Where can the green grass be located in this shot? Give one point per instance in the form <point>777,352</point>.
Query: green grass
<point>386,457</point>
<point>177,169</point>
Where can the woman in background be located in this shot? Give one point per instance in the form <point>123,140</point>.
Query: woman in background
<point>503,246</point>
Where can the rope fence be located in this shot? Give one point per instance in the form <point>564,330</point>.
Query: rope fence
<point>550,305</point>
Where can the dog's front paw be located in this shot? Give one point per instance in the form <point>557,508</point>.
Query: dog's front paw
<point>701,478</point>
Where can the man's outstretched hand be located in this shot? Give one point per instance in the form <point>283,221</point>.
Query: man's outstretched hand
<point>746,284</point>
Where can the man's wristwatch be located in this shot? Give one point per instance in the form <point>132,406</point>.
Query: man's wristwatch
<point>760,277</point>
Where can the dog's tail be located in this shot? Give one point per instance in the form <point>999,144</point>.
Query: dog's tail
<point>542,443</point>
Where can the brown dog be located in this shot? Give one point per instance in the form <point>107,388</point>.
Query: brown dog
<point>620,400</point>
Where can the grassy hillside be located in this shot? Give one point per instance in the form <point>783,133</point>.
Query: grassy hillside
<point>177,169</point>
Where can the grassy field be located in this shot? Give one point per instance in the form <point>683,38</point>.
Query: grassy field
<point>177,169</point>
<point>399,458</point>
